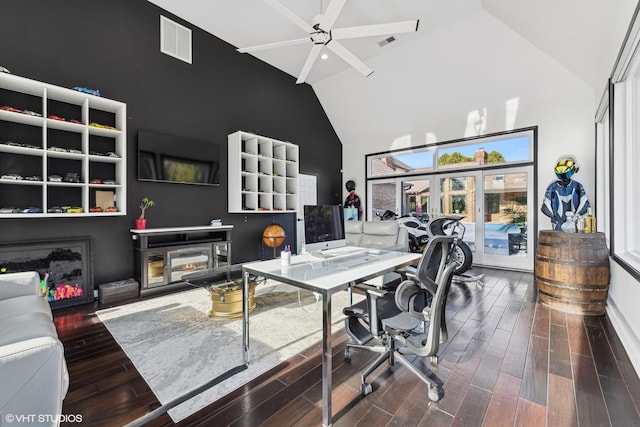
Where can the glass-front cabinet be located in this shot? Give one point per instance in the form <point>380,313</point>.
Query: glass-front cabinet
<point>154,271</point>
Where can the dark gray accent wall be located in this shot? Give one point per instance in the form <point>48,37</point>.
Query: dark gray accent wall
<point>114,46</point>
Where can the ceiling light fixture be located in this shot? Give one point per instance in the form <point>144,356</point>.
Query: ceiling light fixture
<point>324,56</point>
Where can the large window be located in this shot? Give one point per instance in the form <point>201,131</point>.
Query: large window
<point>486,180</point>
<point>494,150</point>
<point>618,143</point>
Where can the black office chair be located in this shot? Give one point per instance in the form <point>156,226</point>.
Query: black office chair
<point>410,320</point>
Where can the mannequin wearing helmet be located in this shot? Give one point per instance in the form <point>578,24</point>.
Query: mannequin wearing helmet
<point>352,200</point>
<point>564,195</point>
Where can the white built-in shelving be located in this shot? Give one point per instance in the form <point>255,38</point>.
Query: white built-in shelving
<point>263,174</point>
<point>90,142</point>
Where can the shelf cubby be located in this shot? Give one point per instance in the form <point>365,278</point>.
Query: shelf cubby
<point>32,143</point>
<point>263,174</point>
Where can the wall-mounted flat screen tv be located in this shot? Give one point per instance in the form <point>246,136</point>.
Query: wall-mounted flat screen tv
<point>168,158</point>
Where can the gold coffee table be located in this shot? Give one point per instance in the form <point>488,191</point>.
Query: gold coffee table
<point>226,295</point>
<point>226,299</point>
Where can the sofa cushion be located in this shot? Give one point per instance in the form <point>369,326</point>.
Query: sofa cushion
<point>26,326</point>
<point>379,234</point>
<point>353,232</point>
<point>18,284</point>
<point>25,304</point>
<point>37,372</point>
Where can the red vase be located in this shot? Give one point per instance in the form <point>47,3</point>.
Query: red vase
<point>141,224</point>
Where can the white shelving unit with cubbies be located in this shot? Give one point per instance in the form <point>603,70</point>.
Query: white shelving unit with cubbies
<point>263,174</point>
<point>48,131</point>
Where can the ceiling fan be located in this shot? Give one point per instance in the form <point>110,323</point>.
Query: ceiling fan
<point>321,33</point>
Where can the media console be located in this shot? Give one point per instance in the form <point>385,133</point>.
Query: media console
<point>164,255</point>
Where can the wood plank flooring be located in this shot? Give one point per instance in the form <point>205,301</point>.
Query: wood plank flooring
<point>509,361</point>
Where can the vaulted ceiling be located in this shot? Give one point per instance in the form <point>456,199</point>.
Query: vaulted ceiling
<point>576,33</point>
<point>581,36</point>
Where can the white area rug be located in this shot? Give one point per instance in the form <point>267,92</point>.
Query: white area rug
<point>176,346</point>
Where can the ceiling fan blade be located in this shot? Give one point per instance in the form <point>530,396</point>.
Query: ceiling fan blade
<point>273,45</point>
<point>331,14</point>
<point>290,15</point>
<point>375,30</point>
<point>349,57</point>
<point>311,59</point>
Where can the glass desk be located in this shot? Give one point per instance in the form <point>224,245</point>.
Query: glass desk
<point>343,268</point>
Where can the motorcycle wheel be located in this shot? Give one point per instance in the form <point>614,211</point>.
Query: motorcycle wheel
<point>414,246</point>
<point>463,257</point>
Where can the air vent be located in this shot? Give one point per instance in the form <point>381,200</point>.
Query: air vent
<point>175,40</point>
<point>386,41</point>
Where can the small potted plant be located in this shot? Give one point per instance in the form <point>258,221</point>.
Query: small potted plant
<point>141,222</point>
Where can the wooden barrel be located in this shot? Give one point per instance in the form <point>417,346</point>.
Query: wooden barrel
<point>572,271</point>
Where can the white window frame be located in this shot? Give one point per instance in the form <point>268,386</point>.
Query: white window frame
<point>435,151</point>
<point>621,192</point>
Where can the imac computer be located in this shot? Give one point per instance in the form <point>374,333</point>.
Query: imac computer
<point>323,227</point>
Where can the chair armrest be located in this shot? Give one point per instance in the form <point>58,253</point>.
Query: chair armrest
<point>19,284</point>
<point>34,375</point>
<point>374,296</point>
<point>408,273</point>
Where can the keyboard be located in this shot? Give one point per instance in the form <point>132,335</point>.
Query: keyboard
<point>348,263</point>
<point>321,255</point>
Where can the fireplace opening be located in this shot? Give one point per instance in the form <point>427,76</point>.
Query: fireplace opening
<point>64,266</point>
<point>187,260</point>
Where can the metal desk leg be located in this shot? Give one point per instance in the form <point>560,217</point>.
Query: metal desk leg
<point>326,359</point>
<point>245,315</point>
<point>351,285</point>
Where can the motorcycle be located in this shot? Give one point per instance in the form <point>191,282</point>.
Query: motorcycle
<point>419,235</point>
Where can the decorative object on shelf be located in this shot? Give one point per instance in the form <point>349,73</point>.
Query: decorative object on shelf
<point>273,237</point>
<point>141,222</point>
<point>589,222</point>
<point>94,92</point>
<point>569,226</point>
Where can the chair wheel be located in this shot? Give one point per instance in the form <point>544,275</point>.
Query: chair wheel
<point>435,393</point>
<point>365,388</point>
<point>347,354</point>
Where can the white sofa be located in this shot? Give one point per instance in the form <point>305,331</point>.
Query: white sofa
<point>386,235</point>
<point>377,235</point>
<point>32,365</point>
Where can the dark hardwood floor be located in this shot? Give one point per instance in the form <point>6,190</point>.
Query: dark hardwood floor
<point>510,361</point>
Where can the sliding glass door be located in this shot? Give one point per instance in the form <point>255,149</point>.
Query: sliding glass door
<point>507,209</point>
<point>496,206</point>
